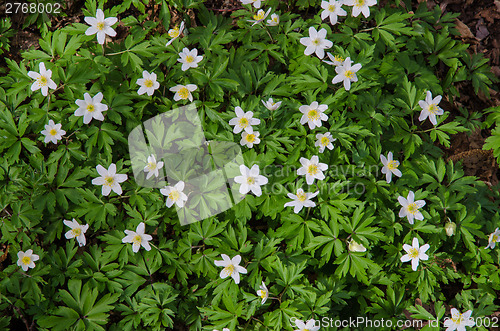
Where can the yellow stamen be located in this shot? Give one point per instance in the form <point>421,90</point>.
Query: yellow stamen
<point>250,180</point>
<point>312,169</point>
<point>412,208</point>
<point>301,196</point>
<point>259,16</point>
<point>148,83</point>
<point>360,3</point>
<point>189,59</point>
<point>42,80</point>
<point>152,166</point>
<point>250,138</point>
<point>433,108</point>
<point>392,165</point>
<point>229,269</point>
<point>413,253</point>
<point>316,42</point>
<point>313,114</point>
<point>331,8</point>
<point>90,108</point>
<point>26,260</point>
<point>339,58</point>
<point>100,26</point>
<point>349,74</point>
<point>109,180</point>
<point>184,93</point>
<point>53,132</point>
<point>174,195</point>
<point>76,232</point>
<point>137,239</point>
<point>325,141</point>
<point>174,33</point>
<point>243,122</point>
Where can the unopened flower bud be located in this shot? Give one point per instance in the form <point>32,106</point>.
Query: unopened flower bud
<point>450,228</point>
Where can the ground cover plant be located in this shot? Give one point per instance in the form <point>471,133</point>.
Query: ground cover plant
<point>352,215</point>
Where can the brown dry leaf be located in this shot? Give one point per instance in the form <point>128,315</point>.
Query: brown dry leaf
<point>464,29</point>
<point>4,255</point>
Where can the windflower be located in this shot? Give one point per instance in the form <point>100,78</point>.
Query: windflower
<point>300,200</point>
<point>459,321</point>
<point>430,108</point>
<point>271,105</point>
<point>256,3</point>
<point>332,9</point>
<point>175,195</point>
<point>189,58</point>
<point>346,73</point>
<point>390,167</point>
<point>312,168</point>
<point>147,83</point>
<point>101,26</point>
<point>42,80</point>
<point>183,91</point>
<point>263,293</point>
<point>231,267</point>
<point>250,180</point>
<point>152,167</point>
<point>415,253</point>
<point>27,259</point>
<point>109,179</point>
<point>260,16</point>
<point>355,247</point>
<point>250,139</point>
<point>336,60</point>
<point>316,42</point>
<point>360,6</point>
<point>91,108</point>
<point>324,141</point>
<point>450,228</point>
<point>138,238</point>
<point>409,207</point>
<point>175,33</point>
<point>493,239</point>
<point>53,132</point>
<point>243,121</point>
<point>275,20</point>
<point>309,325</point>
<point>313,114</point>
<point>77,231</point>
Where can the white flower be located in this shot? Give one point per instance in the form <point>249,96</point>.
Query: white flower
<point>316,42</point>
<point>250,139</point>
<point>355,247</point>
<point>243,121</point>
<point>336,60</point>
<point>390,167</point>
<point>260,16</point>
<point>360,6</point>
<point>493,239</point>
<point>275,20</point>
<point>175,33</point>
<point>250,180</point>
<point>410,207</point>
<point>183,91</point>
<point>256,3</point>
<point>189,58</point>
<point>138,238</point>
<point>263,293</point>
<point>309,325</point>
<point>101,26</point>
<point>332,9</point>
<point>313,114</point>
<point>312,169</point>
<point>271,105</point>
<point>449,228</point>
<point>346,73</point>
<point>147,83</point>
<point>53,132</point>
<point>77,231</point>
<point>415,253</point>
<point>27,260</point>
<point>153,167</point>
<point>430,108</point>
<point>459,321</point>
<point>301,200</point>
<point>175,195</point>
<point>324,140</point>
<point>91,108</point>
<point>231,267</point>
<point>42,80</point>
<point>109,179</point>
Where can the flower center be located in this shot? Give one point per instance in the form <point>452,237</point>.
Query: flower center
<point>338,58</point>
<point>184,93</point>
<point>433,108</point>
<point>250,138</point>
<point>42,80</point>
<point>331,8</point>
<point>349,74</point>
<point>457,319</point>
<point>148,83</point>
<point>312,169</point>
<point>100,26</point>
<point>316,42</point>
<point>174,33</point>
<point>229,269</point>
<point>76,232</point>
<point>262,294</point>
<point>494,238</point>
<point>259,16</point>
<point>360,3</point>
<point>412,208</point>
<point>243,122</point>
<point>312,114</point>
<point>301,196</point>
<point>189,59</point>
<point>392,165</point>
<point>325,141</point>
<point>413,253</point>
<point>152,166</point>
<point>90,108</point>
<point>137,239</point>
<point>174,196</point>
<point>109,180</point>
<point>26,260</point>
<point>53,132</point>
<point>250,180</point>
